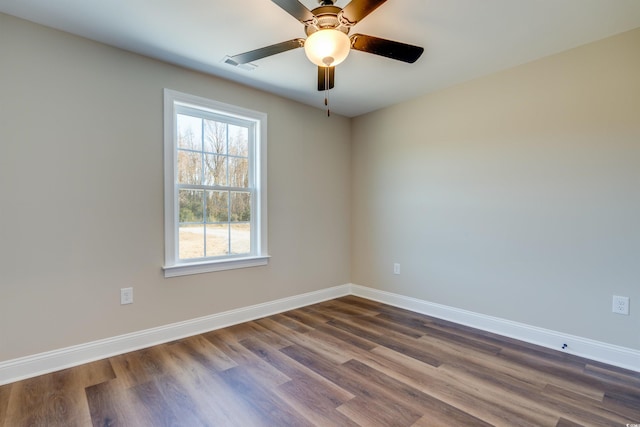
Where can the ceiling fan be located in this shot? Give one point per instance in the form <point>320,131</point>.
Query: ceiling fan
<point>328,43</point>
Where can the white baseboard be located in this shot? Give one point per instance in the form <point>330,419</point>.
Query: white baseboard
<point>43,363</point>
<point>595,350</point>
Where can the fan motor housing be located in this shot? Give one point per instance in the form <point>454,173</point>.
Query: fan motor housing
<point>327,18</point>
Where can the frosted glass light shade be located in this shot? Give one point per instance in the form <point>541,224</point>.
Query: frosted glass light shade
<point>327,48</point>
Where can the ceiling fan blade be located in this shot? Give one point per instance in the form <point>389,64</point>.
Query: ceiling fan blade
<point>322,78</point>
<point>357,10</point>
<point>263,52</point>
<point>296,9</point>
<point>388,48</point>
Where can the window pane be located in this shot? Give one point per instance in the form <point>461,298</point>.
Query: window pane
<point>189,132</point>
<point>191,241</point>
<point>217,206</point>
<point>240,206</point>
<point>215,169</point>
<point>238,172</point>
<point>189,167</point>
<point>217,239</point>
<point>238,141</point>
<point>240,238</point>
<point>191,205</point>
<point>215,137</point>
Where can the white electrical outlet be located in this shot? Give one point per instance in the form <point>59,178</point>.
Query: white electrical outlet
<point>126,296</point>
<point>620,305</point>
<point>396,268</point>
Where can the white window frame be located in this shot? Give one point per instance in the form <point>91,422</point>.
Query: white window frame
<point>173,266</point>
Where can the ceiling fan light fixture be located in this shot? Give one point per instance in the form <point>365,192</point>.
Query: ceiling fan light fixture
<point>327,47</point>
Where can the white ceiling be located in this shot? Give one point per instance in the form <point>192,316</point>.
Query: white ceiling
<point>463,39</point>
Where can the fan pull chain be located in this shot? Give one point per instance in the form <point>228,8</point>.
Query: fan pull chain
<point>326,90</point>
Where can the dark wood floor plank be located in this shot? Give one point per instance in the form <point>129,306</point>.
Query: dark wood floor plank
<point>308,393</point>
<point>552,361</point>
<point>95,372</point>
<point>138,367</point>
<point>204,352</point>
<point>376,412</point>
<point>252,329</point>
<point>563,422</point>
<point>27,401</point>
<point>110,404</point>
<point>516,397</point>
<point>379,322</point>
<point>273,410</point>
<point>479,335</point>
<point>56,399</point>
<point>175,386</point>
<point>5,392</point>
<point>349,340</point>
<point>617,377</point>
<point>313,406</point>
<point>614,371</point>
<point>428,421</point>
<point>308,319</point>
<point>572,410</point>
<point>450,336</point>
<point>484,402</point>
<point>226,343</point>
<point>488,402</point>
<point>216,402</point>
<point>343,362</point>
<point>338,355</point>
<point>386,339</point>
<point>339,309</point>
<point>556,372</point>
<point>480,366</point>
<point>319,325</point>
<point>368,304</point>
<point>626,402</point>
<point>316,312</point>
<point>291,323</point>
<point>411,397</point>
<point>388,409</point>
<point>326,338</point>
<point>298,373</point>
<point>67,401</point>
<point>599,409</point>
<point>504,370</point>
<point>269,337</point>
<point>184,406</point>
<point>152,408</point>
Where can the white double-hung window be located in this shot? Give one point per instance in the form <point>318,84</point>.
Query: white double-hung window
<point>215,185</point>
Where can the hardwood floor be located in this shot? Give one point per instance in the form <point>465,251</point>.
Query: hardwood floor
<point>345,362</point>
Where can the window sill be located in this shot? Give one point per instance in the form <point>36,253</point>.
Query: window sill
<point>210,266</point>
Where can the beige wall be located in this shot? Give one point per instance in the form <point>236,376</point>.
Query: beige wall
<point>516,195</point>
<point>81,201</point>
